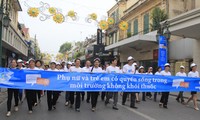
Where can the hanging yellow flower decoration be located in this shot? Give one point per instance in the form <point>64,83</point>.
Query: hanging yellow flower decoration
<point>110,21</point>
<point>33,12</point>
<point>123,25</point>
<point>103,25</point>
<point>71,13</point>
<point>52,10</point>
<point>93,16</point>
<point>58,18</point>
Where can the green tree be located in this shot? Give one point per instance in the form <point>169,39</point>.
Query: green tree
<point>157,16</point>
<point>65,47</point>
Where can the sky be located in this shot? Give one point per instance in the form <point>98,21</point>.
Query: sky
<point>51,35</point>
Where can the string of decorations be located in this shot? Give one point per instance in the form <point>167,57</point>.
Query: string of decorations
<point>45,12</point>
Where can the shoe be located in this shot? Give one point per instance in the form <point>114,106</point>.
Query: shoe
<point>196,109</point>
<point>144,100</point>
<point>49,109</point>
<point>137,101</point>
<point>133,107</point>
<point>123,103</point>
<point>93,109</point>
<point>35,104</point>
<point>115,108</point>
<point>77,110</point>
<point>54,107</point>
<point>30,112</point>
<point>8,114</point>
<point>87,101</point>
<point>70,106</point>
<point>16,109</point>
<point>67,103</point>
<point>177,100</point>
<point>160,105</point>
<point>106,102</point>
<point>165,106</point>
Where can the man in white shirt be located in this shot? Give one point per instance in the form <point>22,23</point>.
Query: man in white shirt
<point>165,95</point>
<point>69,64</point>
<point>112,69</point>
<point>76,68</point>
<point>129,69</point>
<point>181,74</point>
<point>87,69</point>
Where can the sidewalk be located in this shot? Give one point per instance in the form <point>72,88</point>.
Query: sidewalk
<point>185,94</point>
<point>3,95</point>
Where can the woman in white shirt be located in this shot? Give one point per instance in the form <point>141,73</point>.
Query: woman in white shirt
<point>181,74</point>
<point>159,69</point>
<point>94,95</point>
<point>149,72</point>
<point>142,71</point>
<point>165,95</point>
<point>52,96</point>
<point>193,73</point>
<point>78,69</point>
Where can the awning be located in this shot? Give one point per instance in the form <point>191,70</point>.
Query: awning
<point>134,42</point>
<point>186,25</point>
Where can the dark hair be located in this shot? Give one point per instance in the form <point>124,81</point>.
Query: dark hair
<point>39,61</point>
<point>97,59</point>
<point>140,71</point>
<point>77,59</point>
<point>158,68</point>
<point>13,60</point>
<point>113,59</point>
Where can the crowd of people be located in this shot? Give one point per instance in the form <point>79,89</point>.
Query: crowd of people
<point>33,97</point>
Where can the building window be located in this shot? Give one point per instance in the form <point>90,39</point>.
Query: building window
<point>135,27</point>
<point>117,16</point>
<point>146,23</point>
<point>129,29</point>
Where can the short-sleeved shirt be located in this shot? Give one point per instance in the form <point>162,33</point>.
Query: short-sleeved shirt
<point>112,69</point>
<point>129,69</point>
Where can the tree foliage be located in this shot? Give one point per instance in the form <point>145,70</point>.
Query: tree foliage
<point>65,47</point>
<point>157,16</point>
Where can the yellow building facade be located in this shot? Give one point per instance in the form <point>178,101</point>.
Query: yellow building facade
<point>139,40</point>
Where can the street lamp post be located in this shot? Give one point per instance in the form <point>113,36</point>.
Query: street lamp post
<point>4,22</point>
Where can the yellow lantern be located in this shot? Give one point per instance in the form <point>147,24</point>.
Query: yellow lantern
<point>33,12</point>
<point>71,14</point>
<point>103,25</point>
<point>58,18</point>
<point>110,21</point>
<point>123,25</point>
<point>52,10</point>
<point>93,16</point>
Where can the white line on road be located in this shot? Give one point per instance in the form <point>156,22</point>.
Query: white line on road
<point>138,113</point>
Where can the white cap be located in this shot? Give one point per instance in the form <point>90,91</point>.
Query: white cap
<point>182,67</point>
<point>130,58</point>
<point>192,65</point>
<point>69,63</point>
<point>63,61</point>
<point>167,64</point>
<point>19,61</point>
<point>53,61</point>
<point>135,64</point>
<point>141,67</point>
<point>27,62</point>
<point>57,63</point>
<point>31,59</point>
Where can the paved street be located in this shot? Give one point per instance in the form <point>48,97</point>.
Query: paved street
<point>147,111</point>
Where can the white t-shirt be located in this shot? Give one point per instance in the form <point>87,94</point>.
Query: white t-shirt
<point>75,69</point>
<point>35,68</point>
<point>129,69</point>
<point>149,73</point>
<point>181,74</point>
<point>111,69</point>
<point>193,74</point>
<point>158,73</point>
<point>86,69</point>
<point>52,70</point>
<point>165,73</point>
<point>97,70</point>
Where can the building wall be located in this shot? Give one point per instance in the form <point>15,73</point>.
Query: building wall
<point>196,53</point>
